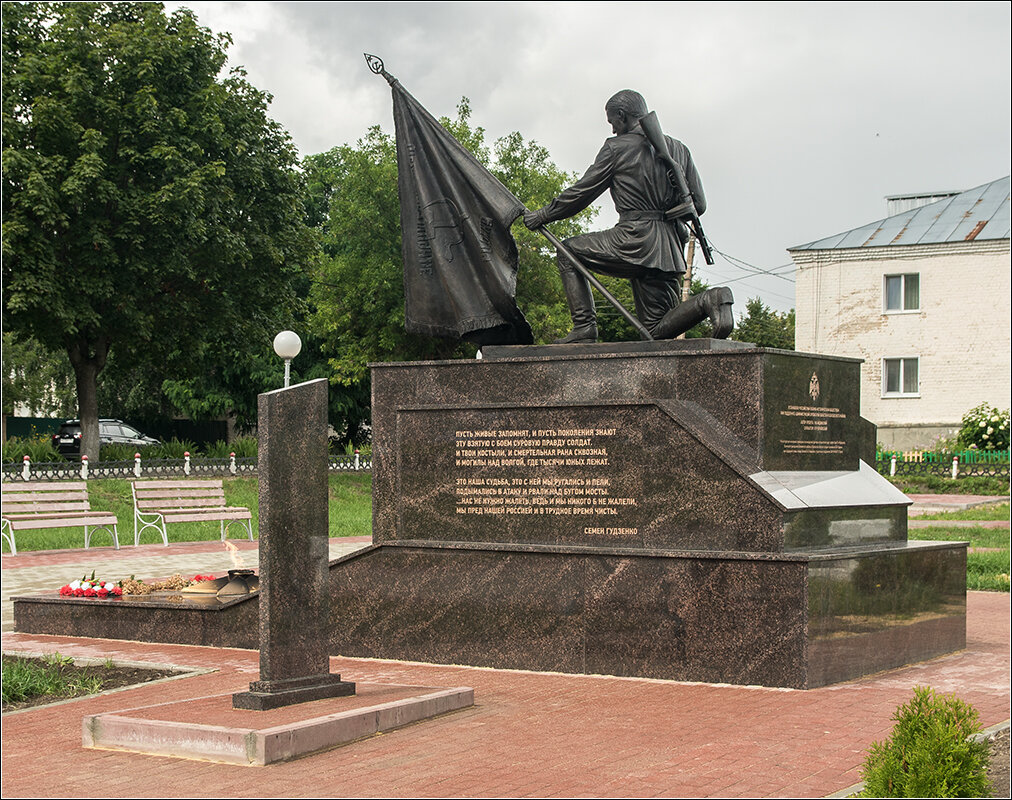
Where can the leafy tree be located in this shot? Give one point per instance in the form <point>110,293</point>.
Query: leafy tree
<point>151,209</point>
<point>764,327</point>
<point>36,378</point>
<point>358,294</point>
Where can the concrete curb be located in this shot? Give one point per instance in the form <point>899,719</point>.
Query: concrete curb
<point>260,747</point>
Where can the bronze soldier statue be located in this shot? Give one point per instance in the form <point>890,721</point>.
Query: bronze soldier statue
<point>646,246</point>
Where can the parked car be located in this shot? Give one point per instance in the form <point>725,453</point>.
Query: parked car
<point>110,431</point>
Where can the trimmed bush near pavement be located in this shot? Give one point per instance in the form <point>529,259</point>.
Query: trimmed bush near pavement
<point>930,752</point>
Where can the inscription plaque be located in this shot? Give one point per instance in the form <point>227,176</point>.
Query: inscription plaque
<point>566,475</point>
<point>812,415</point>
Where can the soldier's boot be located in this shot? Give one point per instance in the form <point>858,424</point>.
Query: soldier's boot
<point>581,308</point>
<point>714,304</point>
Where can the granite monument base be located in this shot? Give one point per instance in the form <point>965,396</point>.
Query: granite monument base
<point>799,620</point>
<point>683,510</point>
<point>265,695</point>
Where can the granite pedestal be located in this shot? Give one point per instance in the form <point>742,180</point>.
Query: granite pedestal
<point>685,510</point>
<point>693,510</point>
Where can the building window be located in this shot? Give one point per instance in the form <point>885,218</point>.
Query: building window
<point>900,377</point>
<point>903,292</point>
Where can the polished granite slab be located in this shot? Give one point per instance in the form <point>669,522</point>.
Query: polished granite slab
<point>794,619</point>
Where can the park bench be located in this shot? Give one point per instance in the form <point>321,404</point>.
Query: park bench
<point>158,503</point>
<point>54,504</point>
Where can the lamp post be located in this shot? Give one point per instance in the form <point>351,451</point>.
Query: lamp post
<point>287,345</point>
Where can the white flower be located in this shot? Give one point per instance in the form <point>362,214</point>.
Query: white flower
<point>982,424</point>
<point>75,585</point>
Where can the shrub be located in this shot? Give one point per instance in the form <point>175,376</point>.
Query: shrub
<point>930,752</point>
<point>38,448</point>
<point>364,450</point>
<point>173,448</point>
<point>117,451</point>
<point>985,428</point>
<point>243,447</point>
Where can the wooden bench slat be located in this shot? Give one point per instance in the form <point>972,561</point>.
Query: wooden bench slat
<point>43,497</point>
<point>222,513</point>
<point>184,493</point>
<point>46,486</point>
<point>195,484</point>
<point>71,516</point>
<point>38,503</point>
<point>30,523</point>
<point>45,508</point>
<point>190,502</point>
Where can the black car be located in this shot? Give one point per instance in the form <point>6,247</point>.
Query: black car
<point>110,431</point>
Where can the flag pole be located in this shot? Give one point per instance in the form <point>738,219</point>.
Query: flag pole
<point>586,273</point>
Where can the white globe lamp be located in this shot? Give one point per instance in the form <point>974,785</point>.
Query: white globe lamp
<point>287,345</point>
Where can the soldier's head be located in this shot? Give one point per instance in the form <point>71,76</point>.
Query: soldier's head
<point>624,110</point>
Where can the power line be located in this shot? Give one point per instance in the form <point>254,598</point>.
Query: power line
<point>737,262</point>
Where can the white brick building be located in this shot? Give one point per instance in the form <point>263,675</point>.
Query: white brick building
<point>923,297</point>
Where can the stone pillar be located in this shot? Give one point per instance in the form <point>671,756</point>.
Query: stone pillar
<point>294,556</point>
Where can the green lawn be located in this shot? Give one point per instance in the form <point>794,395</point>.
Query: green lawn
<point>350,514</point>
<point>987,561</point>
<point>997,511</point>
<point>936,484</point>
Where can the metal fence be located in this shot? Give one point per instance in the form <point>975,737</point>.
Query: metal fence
<point>962,456</point>
<point>197,467</point>
<point>942,464</point>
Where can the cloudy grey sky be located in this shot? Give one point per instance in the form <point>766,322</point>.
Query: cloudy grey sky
<point>801,117</point>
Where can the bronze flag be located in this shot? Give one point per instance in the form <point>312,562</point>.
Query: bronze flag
<point>460,260</point>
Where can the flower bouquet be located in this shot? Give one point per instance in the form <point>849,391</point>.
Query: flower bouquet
<point>91,587</point>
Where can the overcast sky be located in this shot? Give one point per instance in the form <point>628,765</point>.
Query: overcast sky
<point>801,117</point>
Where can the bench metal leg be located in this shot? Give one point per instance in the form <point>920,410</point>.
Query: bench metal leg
<point>247,526</point>
<point>8,533</point>
<point>157,523</point>
<point>88,533</point>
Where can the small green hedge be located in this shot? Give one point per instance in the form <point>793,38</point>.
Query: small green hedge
<point>930,752</point>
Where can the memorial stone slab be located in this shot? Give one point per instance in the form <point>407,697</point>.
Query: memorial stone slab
<point>294,575</point>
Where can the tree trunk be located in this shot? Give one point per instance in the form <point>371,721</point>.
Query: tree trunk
<point>88,359</point>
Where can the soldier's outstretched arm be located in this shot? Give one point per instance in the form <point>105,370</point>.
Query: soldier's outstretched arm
<point>595,181</point>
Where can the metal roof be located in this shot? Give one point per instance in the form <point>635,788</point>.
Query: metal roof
<point>974,215</point>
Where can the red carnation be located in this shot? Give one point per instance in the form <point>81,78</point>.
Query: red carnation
<point>103,592</point>
<point>117,591</point>
<point>90,593</point>
<point>79,592</point>
<point>66,591</point>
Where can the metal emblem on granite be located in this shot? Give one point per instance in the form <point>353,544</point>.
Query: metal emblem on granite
<point>813,387</point>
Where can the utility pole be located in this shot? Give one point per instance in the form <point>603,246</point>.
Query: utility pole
<point>687,282</point>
